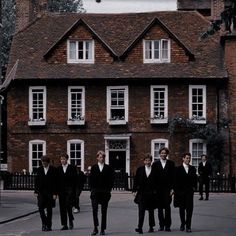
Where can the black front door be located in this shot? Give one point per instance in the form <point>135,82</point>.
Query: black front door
<point>117,160</point>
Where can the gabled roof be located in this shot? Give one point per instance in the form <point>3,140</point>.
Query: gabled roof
<point>163,26</point>
<point>118,33</point>
<point>71,29</point>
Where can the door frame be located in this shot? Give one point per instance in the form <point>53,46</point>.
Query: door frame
<point>127,150</point>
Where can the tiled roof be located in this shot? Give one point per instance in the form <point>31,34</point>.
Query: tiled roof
<point>118,32</point>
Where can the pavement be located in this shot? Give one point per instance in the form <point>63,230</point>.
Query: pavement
<point>215,217</point>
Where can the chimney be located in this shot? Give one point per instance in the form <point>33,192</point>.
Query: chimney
<point>28,10</point>
<point>217,6</point>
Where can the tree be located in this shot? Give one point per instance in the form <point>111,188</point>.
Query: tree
<point>65,5</point>
<point>8,22</point>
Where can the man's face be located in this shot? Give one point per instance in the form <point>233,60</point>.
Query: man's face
<point>100,158</point>
<point>163,155</point>
<point>45,163</point>
<point>187,159</point>
<point>203,158</point>
<point>63,161</point>
<point>147,162</point>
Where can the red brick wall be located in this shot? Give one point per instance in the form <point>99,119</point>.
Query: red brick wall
<point>217,6</point>
<point>57,132</point>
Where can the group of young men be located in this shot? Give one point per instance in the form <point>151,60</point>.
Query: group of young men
<point>66,183</point>
<point>154,185</point>
<point>157,183</point>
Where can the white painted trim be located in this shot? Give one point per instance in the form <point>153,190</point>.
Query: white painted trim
<point>158,140</point>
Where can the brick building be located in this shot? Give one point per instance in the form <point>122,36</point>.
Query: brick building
<point>116,82</point>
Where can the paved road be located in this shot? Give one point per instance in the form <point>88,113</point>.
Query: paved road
<point>216,217</point>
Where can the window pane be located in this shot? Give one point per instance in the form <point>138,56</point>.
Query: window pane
<point>72,52</point>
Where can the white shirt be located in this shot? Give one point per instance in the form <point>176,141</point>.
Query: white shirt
<point>148,170</point>
<point>65,167</point>
<point>186,167</point>
<point>163,163</point>
<point>204,163</point>
<point>100,165</point>
<point>45,170</point>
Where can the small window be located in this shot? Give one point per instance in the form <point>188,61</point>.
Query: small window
<point>157,144</point>
<point>156,51</point>
<point>197,103</point>
<point>159,104</point>
<point>117,105</point>
<point>197,147</point>
<point>37,148</point>
<point>75,150</point>
<point>37,106</point>
<point>76,106</point>
<point>81,51</point>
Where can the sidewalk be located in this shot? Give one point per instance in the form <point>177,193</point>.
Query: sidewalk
<point>16,204</point>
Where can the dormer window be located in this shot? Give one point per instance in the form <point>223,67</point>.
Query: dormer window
<point>156,51</point>
<point>80,51</point>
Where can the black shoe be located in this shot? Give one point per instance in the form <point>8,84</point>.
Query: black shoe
<point>188,230</point>
<point>44,227</point>
<point>167,229</point>
<point>65,227</point>
<point>206,199</point>
<point>201,198</point>
<point>140,231</point>
<point>95,231</point>
<point>161,229</point>
<point>151,230</point>
<point>182,228</point>
<point>48,229</point>
<point>71,225</point>
<point>102,232</point>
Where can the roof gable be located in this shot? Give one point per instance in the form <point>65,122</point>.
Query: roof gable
<point>158,22</point>
<point>70,30</point>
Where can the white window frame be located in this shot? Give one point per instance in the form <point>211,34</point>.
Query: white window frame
<point>160,59</point>
<point>204,151</point>
<point>76,141</point>
<point>77,60</point>
<point>31,143</point>
<point>154,119</point>
<point>196,119</point>
<point>159,141</point>
<point>42,120</point>
<point>79,120</point>
<point>126,108</point>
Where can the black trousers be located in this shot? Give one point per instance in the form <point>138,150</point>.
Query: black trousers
<point>46,217</point>
<point>104,206</point>
<point>141,215</point>
<point>65,206</point>
<point>205,182</point>
<point>186,210</point>
<point>164,216</point>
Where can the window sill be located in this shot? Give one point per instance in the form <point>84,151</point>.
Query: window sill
<point>159,121</point>
<point>117,122</point>
<point>76,122</point>
<point>37,123</point>
<point>199,121</point>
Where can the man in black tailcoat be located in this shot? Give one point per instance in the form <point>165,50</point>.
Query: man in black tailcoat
<point>185,184</point>
<point>165,170</point>
<point>67,176</point>
<point>45,191</point>
<point>101,182</point>
<point>205,172</point>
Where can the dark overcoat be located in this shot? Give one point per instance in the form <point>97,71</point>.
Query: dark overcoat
<point>184,186</point>
<point>45,186</point>
<point>101,183</point>
<point>146,188</point>
<point>165,182</point>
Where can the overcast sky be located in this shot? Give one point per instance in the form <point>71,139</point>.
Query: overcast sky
<point>117,6</point>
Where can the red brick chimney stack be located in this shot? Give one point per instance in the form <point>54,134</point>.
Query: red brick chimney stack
<point>217,6</point>
<point>28,10</point>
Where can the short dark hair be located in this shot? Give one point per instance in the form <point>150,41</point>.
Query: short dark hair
<point>148,156</point>
<point>45,158</point>
<point>65,155</point>
<point>165,149</point>
<point>186,154</point>
<point>204,155</point>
